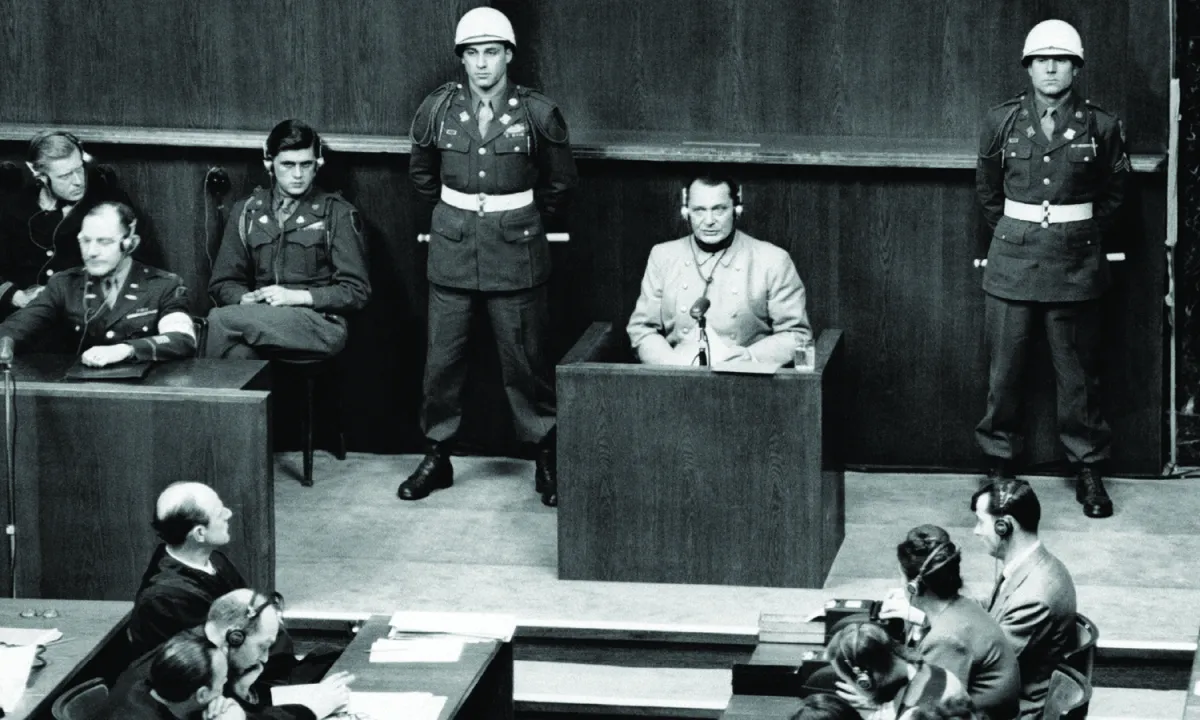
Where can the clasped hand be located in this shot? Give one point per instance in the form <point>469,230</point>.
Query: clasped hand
<point>276,295</point>
<point>102,355</point>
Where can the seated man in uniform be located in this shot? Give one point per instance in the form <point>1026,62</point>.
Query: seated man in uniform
<point>40,224</point>
<point>113,308</point>
<point>184,679</point>
<point>292,263</point>
<point>747,290</point>
<point>188,571</point>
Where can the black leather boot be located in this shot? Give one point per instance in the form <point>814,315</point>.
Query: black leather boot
<point>1089,490</point>
<point>433,473</point>
<point>545,473</point>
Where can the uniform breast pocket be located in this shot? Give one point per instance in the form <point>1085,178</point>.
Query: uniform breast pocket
<point>262,250</point>
<point>306,254</point>
<point>1083,160</point>
<point>454,145</point>
<point>512,144</point>
<point>1016,165</point>
<point>524,225</point>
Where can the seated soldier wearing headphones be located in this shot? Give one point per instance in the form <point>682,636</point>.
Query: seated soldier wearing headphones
<point>292,264</point>
<point>1034,596</point>
<point>243,625</point>
<point>39,225</point>
<point>951,631</point>
<point>884,679</point>
<point>745,290</point>
<point>184,679</point>
<point>113,308</point>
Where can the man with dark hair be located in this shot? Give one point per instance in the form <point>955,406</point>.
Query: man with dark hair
<point>187,571</point>
<point>1051,175</point>
<point>39,225</point>
<point>292,263</point>
<point>184,680</point>
<point>496,158</point>
<point>1034,597</point>
<point>951,631</point>
<point>746,290</point>
<point>113,308</point>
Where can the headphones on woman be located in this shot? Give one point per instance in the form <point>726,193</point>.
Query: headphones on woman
<point>235,637</point>
<point>735,191</point>
<point>928,568</point>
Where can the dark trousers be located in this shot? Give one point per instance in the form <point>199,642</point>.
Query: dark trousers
<point>520,323</point>
<point>1072,332</point>
<point>260,331</point>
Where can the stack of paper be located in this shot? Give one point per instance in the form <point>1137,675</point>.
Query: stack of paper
<point>28,636</point>
<point>15,664</point>
<point>369,705</point>
<point>478,625</point>
<point>421,649</point>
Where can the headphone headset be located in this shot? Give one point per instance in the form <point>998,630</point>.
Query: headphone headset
<point>236,637</point>
<point>734,189</point>
<point>1001,499</point>
<point>928,568</point>
<point>45,135</point>
<point>320,151</point>
<point>127,244</point>
<point>862,678</point>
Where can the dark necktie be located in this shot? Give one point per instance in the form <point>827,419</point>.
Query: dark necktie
<point>996,591</point>
<point>1049,121</point>
<point>485,117</point>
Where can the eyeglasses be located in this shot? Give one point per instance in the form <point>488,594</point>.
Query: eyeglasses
<point>49,613</point>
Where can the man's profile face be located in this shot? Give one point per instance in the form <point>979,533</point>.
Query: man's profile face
<point>66,177</point>
<point>254,651</point>
<point>486,64</point>
<point>985,526</point>
<point>100,238</point>
<point>294,171</point>
<point>1052,76</point>
<point>216,531</point>
<point>710,211</point>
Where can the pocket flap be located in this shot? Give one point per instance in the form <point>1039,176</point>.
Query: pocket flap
<point>447,222</point>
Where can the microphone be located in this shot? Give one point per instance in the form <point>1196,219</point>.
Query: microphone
<point>700,307</point>
<point>6,351</point>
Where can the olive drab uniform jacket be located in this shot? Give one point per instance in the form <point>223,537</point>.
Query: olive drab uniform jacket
<point>526,148</point>
<point>1086,163</point>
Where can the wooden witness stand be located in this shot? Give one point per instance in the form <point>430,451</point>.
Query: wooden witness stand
<point>686,475</point>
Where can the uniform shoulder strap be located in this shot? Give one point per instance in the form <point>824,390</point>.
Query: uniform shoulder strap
<point>544,115</point>
<point>424,125</point>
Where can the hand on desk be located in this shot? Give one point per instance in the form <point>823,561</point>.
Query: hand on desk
<point>330,695</point>
<point>224,708</point>
<point>102,355</point>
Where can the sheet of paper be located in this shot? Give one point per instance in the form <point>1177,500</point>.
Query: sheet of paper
<point>420,649</point>
<point>28,636</point>
<point>481,625</point>
<point>393,706</point>
<point>15,664</point>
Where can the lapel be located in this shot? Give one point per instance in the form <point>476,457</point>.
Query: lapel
<point>1020,574</point>
<point>462,115</point>
<point>1076,126</point>
<point>308,212</point>
<point>259,215</point>
<point>131,294</point>
<point>735,247</point>
<point>506,114</point>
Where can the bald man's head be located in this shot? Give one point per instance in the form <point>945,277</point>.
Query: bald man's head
<point>191,510</point>
<point>244,624</point>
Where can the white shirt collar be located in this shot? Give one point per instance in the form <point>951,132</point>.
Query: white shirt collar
<point>1011,566</point>
<point>205,568</point>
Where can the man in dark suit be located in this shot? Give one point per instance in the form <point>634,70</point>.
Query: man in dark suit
<point>1051,174</point>
<point>1034,597</point>
<point>183,679</point>
<point>496,159</point>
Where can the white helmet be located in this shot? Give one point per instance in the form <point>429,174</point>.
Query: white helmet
<point>484,25</point>
<point>1053,37</point>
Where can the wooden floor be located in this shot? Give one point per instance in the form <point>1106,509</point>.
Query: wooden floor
<point>487,544</point>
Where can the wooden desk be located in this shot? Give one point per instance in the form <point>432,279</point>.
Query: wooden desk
<point>761,707</point>
<point>91,459</point>
<point>86,627</point>
<point>686,475</point>
<point>477,687</point>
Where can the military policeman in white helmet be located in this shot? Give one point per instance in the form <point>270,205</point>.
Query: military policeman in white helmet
<point>1051,174</point>
<point>495,158</point>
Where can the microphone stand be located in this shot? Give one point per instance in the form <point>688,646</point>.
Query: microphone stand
<point>10,436</point>
<point>705,350</point>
